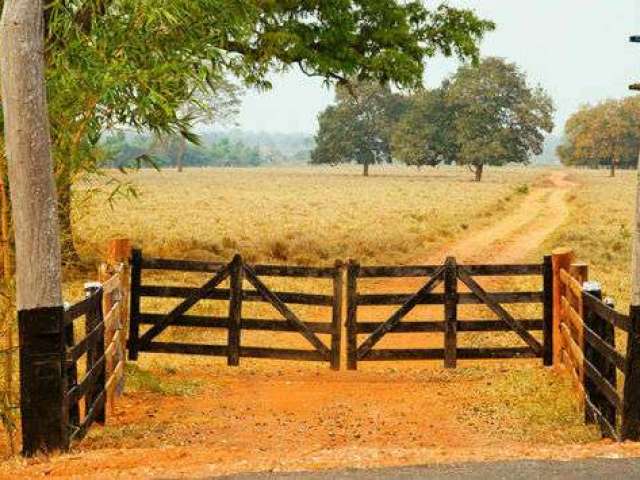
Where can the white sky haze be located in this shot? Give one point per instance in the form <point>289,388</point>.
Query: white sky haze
<point>578,50</point>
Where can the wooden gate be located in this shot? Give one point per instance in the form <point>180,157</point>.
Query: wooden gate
<point>449,275</point>
<point>238,273</point>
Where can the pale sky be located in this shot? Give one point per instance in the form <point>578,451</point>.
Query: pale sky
<point>578,50</point>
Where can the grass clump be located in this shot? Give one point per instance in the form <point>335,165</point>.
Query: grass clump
<point>140,380</point>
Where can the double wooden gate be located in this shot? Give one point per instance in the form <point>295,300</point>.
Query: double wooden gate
<point>449,285</point>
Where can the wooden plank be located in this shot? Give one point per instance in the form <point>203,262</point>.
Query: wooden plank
<point>438,354</point>
<point>504,270</point>
<point>571,283</point>
<point>603,385</point>
<point>289,271</point>
<point>112,318</point>
<point>259,324</point>
<point>570,314</point>
<point>500,311</point>
<point>398,271</point>
<point>81,347</point>
<point>606,428</point>
<point>607,313</point>
<point>134,308</point>
<point>88,381</point>
<point>235,311</point>
<point>113,380</point>
<point>531,325</point>
<point>353,270</point>
<point>464,298</point>
<point>282,308</point>
<point>79,309</point>
<point>112,283</point>
<point>573,350</point>
<point>181,265</point>
<point>606,350</point>
<point>336,315</point>
<point>560,259</point>
<point>295,298</point>
<point>92,415</point>
<point>182,308</point>
<point>399,314</point>
<point>450,313</point>
<point>403,327</point>
<point>284,354</point>
<point>186,348</point>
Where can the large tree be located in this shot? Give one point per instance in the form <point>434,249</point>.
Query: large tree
<point>424,135</point>
<point>358,127</point>
<point>603,133</point>
<point>499,118</point>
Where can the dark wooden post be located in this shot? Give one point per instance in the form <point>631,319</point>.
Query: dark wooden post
<point>547,311</point>
<point>352,314</point>
<point>450,313</point>
<point>134,309</point>
<point>336,319</point>
<point>235,311</point>
<point>592,322</point>
<point>631,400</point>
<point>44,411</point>
<point>95,351</point>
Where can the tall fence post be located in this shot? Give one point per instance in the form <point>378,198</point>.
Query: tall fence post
<point>134,309</point>
<point>336,319</point>
<point>44,411</point>
<point>631,400</point>
<point>95,352</point>
<point>235,311</point>
<point>560,259</point>
<point>450,313</point>
<point>352,311</point>
<point>547,313</point>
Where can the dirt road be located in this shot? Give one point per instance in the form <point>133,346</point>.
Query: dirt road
<point>269,416</point>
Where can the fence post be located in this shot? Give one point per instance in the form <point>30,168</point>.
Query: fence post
<point>591,391</point>
<point>450,313</point>
<point>631,400</point>
<point>134,310</point>
<point>71,374</point>
<point>547,314</point>
<point>352,314</point>
<point>95,351</point>
<point>43,408</point>
<point>235,311</point>
<point>336,319</point>
<point>560,259</point>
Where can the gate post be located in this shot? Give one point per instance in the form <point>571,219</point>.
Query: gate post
<point>450,313</point>
<point>235,311</point>
<point>560,259</point>
<point>95,351</point>
<point>134,309</point>
<point>631,400</point>
<point>42,381</point>
<point>547,314</point>
<point>336,318</point>
<point>352,310</point>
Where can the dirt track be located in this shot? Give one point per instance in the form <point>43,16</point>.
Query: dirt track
<point>292,418</point>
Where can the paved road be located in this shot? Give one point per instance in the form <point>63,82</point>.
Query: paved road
<point>596,469</point>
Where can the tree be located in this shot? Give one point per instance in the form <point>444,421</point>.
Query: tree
<point>358,127</point>
<point>606,132</point>
<point>424,134</point>
<point>498,117</point>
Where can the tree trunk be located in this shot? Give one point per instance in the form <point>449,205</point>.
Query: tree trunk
<point>478,171</point>
<point>182,149</point>
<point>613,168</point>
<point>365,170</point>
<point>28,148</point>
<point>635,262</point>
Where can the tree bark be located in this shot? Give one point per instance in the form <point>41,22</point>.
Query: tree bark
<point>613,168</point>
<point>365,168</point>
<point>182,149</point>
<point>479,167</point>
<point>635,262</point>
<point>28,148</point>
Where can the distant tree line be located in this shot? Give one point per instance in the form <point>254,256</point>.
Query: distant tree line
<point>603,134</point>
<point>484,114</point>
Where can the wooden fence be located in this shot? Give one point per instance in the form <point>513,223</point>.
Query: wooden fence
<point>102,348</point>
<point>450,275</point>
<point>585,329</point>
<point>239,273</point>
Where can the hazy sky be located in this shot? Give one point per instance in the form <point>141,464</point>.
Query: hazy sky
<point>577,49</point>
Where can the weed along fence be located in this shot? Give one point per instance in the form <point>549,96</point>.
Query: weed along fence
<point>239,274</point>
<point>214,314</point>
<point>585,328</point>
<point>451,276</point>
